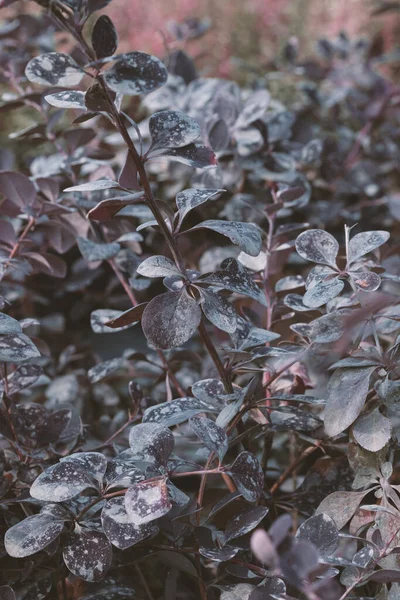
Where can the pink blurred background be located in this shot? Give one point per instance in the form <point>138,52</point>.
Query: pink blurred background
<point>251,30</point>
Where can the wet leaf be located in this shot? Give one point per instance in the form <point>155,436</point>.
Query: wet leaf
<point>348,389</point>
<point>366,281</point>
<point>151,442</point>
<point>52,69</point>
<point>244,522</point>
<point>318,246</point>
<point>321,530</point>
<point>104,37</point>
<point>248,476</point>
<point>136,73</point>
<point>67,99</point>
<point>99,319</point>
<point>172,129</point>
<point>372,431</point>
<point>87,554</point>
<point>147,501</point>
<point>232,276</point>
<point>93,252</point>
<point>158,266</point>
<point>92,463</point>
<point>365,242</point>
<point>176,411</point>
<point>244,235</point>
<point>212,436</point>
<point>219,311</point>
<point>193,155</point>
<point>121,532</point>
<point>61,482</point>
<point>17,188</point>
<point>169,320</point>
<point>191,198</point>
<point>322,292</point>
<point>16,348</point>
<point>92,186</point>
<point>32,535</point>
<point>341,506</point>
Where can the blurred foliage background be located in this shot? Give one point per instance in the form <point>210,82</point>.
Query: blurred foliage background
<point>254,31</point>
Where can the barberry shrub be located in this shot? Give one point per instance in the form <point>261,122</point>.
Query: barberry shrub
<point>200,320</point>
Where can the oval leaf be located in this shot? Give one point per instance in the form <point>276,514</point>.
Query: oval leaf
<point>318,246</point>
<point>176,411</point>
<point>365,242</point>
<point>87,554</point>
<point>121,532</point>
<point>321,530</point>
<point>136,73</point>
<point>244,522</point>
<point>16,348</point>
<point>172,129</point>
<point>191,198</point>
<point>32,535</point>
<point>157,266</point>
<point>151,442</point>
<point>348,389</point>
<point>54,68</point>
<point>147,501</point>
<point>67,99</point>
<point>248,476</point>
<point>213,437</point>
<point>170,319</point>
<point>372,431</point>
<point>219,311</point>
<point>61,482</point>
<point>244,235</point>
<point>104,37</point>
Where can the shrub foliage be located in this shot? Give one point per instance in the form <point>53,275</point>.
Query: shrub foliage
<point>200,320</point>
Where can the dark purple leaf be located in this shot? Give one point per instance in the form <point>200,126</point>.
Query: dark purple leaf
<point>104,37</point>
<point>244,235</point>
<point>121,532</point>
<point>147,501</point>
<point>244,522</point>
<point>61,482</point>
<point>169,320</point>
<point>54,68</point>
<point>321,530</point>
<point>177,411</point>
<point>189,199</point>
<point>318,246</point>
<point>212,436</point>
<point>67,99</point>
<point>32,535</point>
<point>172,129</point>
<point>136,73</point>
<point>232,276</point>
<point>17,188</point>
<point>16,348</point>
<point>157,266</point>
<point>219,311</point>
<point>193,155</point>
<point>365,242</point>
<point>348,389</point>
<point>248,476</point>
<point>151,442</point>
<point>87,554</point>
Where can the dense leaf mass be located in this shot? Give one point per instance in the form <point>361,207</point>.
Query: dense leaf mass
<point>199,319</point>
